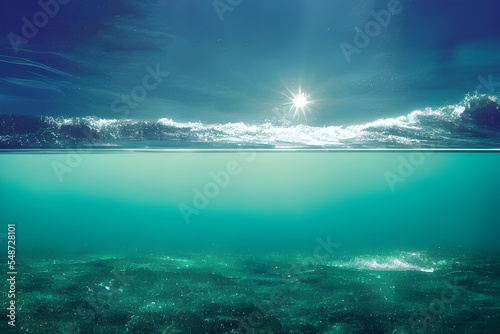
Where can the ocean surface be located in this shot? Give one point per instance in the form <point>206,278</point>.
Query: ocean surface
<point>250,166</point>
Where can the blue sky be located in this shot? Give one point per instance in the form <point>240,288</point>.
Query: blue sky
<point>91,54</point>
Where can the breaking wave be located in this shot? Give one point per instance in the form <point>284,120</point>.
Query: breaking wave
<point>472,123</point>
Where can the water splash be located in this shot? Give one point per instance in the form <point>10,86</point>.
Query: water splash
<point>472,123</point>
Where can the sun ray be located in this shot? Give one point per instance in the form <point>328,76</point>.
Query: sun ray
<point>298,103</point>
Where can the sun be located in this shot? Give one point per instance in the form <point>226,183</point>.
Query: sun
<point>300,100</point>
<point>298,103</point>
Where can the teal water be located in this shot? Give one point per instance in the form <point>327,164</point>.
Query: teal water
<point>370,239</point>
<point>275,201</point>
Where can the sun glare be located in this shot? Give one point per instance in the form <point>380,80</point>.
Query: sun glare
<point>298,103</point>
<point>300,100</point>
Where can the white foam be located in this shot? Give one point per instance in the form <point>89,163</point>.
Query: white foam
<point>401,262</point>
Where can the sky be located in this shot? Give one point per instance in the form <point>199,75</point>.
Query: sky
<point>233,60</point>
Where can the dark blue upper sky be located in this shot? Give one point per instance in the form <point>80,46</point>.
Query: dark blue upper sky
<point>94,57</point>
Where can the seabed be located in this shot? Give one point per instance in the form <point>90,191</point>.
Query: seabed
<point>274,293</point>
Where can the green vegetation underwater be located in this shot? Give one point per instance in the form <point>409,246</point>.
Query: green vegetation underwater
<point>250,166</point>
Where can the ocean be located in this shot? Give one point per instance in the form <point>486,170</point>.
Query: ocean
<point>250,166</point>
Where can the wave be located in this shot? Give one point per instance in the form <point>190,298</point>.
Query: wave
<point>472,123</point>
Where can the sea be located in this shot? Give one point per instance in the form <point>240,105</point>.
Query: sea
<point>250,166</point>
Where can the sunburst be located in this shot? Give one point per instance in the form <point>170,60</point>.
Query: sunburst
<point>298,103</point>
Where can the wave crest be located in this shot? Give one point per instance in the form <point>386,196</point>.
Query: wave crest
<point>473,123</point>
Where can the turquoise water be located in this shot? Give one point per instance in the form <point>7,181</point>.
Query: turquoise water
<point>278,201</point>
<point>355,242</point>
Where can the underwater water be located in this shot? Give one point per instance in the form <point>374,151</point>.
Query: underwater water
<point>250,166</point>
<point>254,241</point>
